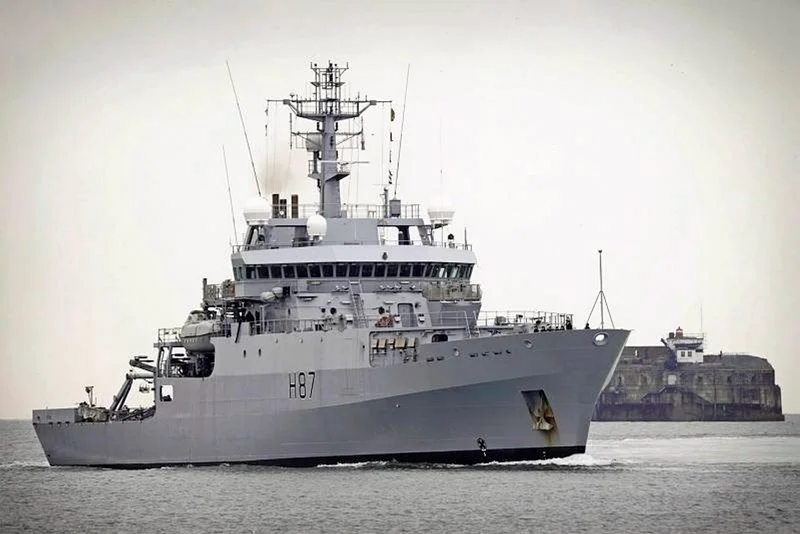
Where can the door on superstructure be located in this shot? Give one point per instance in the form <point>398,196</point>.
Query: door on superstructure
<point>406,313</point>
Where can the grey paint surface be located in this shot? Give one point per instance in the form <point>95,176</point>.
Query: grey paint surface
<point>444,405</point>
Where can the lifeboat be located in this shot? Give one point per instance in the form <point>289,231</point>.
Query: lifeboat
<point>198,330</point>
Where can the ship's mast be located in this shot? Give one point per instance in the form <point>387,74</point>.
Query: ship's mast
<point>327,107</point>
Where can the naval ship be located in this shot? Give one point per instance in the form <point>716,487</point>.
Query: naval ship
<point>347,333</point>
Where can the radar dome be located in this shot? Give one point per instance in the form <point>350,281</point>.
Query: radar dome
<point>257,211</point>
<point>441,214</point>
<point>317,226</point>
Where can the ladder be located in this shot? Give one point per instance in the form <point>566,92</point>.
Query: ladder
<point>360,318</point>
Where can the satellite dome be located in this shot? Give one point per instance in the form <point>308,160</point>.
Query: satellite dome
<point>439,209</point>
<point>317,226</point>
<point>257,211</point>
<point>441,214</point>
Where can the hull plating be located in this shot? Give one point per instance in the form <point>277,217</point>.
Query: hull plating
<point>419,411</point>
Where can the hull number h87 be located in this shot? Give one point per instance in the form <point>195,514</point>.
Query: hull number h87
<point>301,385</point>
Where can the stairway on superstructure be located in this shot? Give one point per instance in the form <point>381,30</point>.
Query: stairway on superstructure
<point>358,304</point>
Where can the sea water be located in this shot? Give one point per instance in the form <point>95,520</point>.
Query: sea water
<point>634,477</point>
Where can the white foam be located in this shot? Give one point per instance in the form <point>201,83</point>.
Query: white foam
<point>354,465</point>
<point>576,460</point>
<point>22,465</point>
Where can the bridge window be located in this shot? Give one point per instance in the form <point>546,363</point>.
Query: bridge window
<point>363,270</point>
<point>453,271</point>
<point>166,393</point>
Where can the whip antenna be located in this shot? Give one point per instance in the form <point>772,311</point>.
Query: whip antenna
<point>402,123</point>
<point>230,197</point>
<point>241,119</point>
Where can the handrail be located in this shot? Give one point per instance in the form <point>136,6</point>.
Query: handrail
<point>454,290</point>
<point>350,211</point>
<point>512,317</point>
<point>437,321</point>
<point>326,242</point>
<point>169,335</point>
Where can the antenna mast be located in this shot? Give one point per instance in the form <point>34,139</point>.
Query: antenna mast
<point>326,107</point>
<point>601,297</point>
<point>241,119</point>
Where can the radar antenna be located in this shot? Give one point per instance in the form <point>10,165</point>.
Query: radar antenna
<point>601,297</point>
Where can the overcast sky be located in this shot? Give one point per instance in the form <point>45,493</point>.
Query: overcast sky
<point>664,132</point>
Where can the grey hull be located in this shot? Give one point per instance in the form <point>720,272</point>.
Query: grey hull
<point>419,411</point>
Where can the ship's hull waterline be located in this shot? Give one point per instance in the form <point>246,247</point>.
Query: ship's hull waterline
<point>465,408</point>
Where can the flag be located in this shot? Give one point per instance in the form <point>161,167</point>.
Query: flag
<point>391,114</point>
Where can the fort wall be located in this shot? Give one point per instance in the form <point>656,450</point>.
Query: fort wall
<point>650,385</point>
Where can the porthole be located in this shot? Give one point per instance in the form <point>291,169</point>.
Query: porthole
<point>259,353</point>
<point>528,343</point>
<point>600,339</point>
<point>244,353</point>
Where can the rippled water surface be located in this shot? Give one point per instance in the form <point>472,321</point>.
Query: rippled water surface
<point>635,477</point>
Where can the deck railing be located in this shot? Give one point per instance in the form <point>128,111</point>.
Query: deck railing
<point>452,291</point>
<point>472,323</point>
<point>349,211</point>
<point>327,242</point>
<point>543,319</point>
